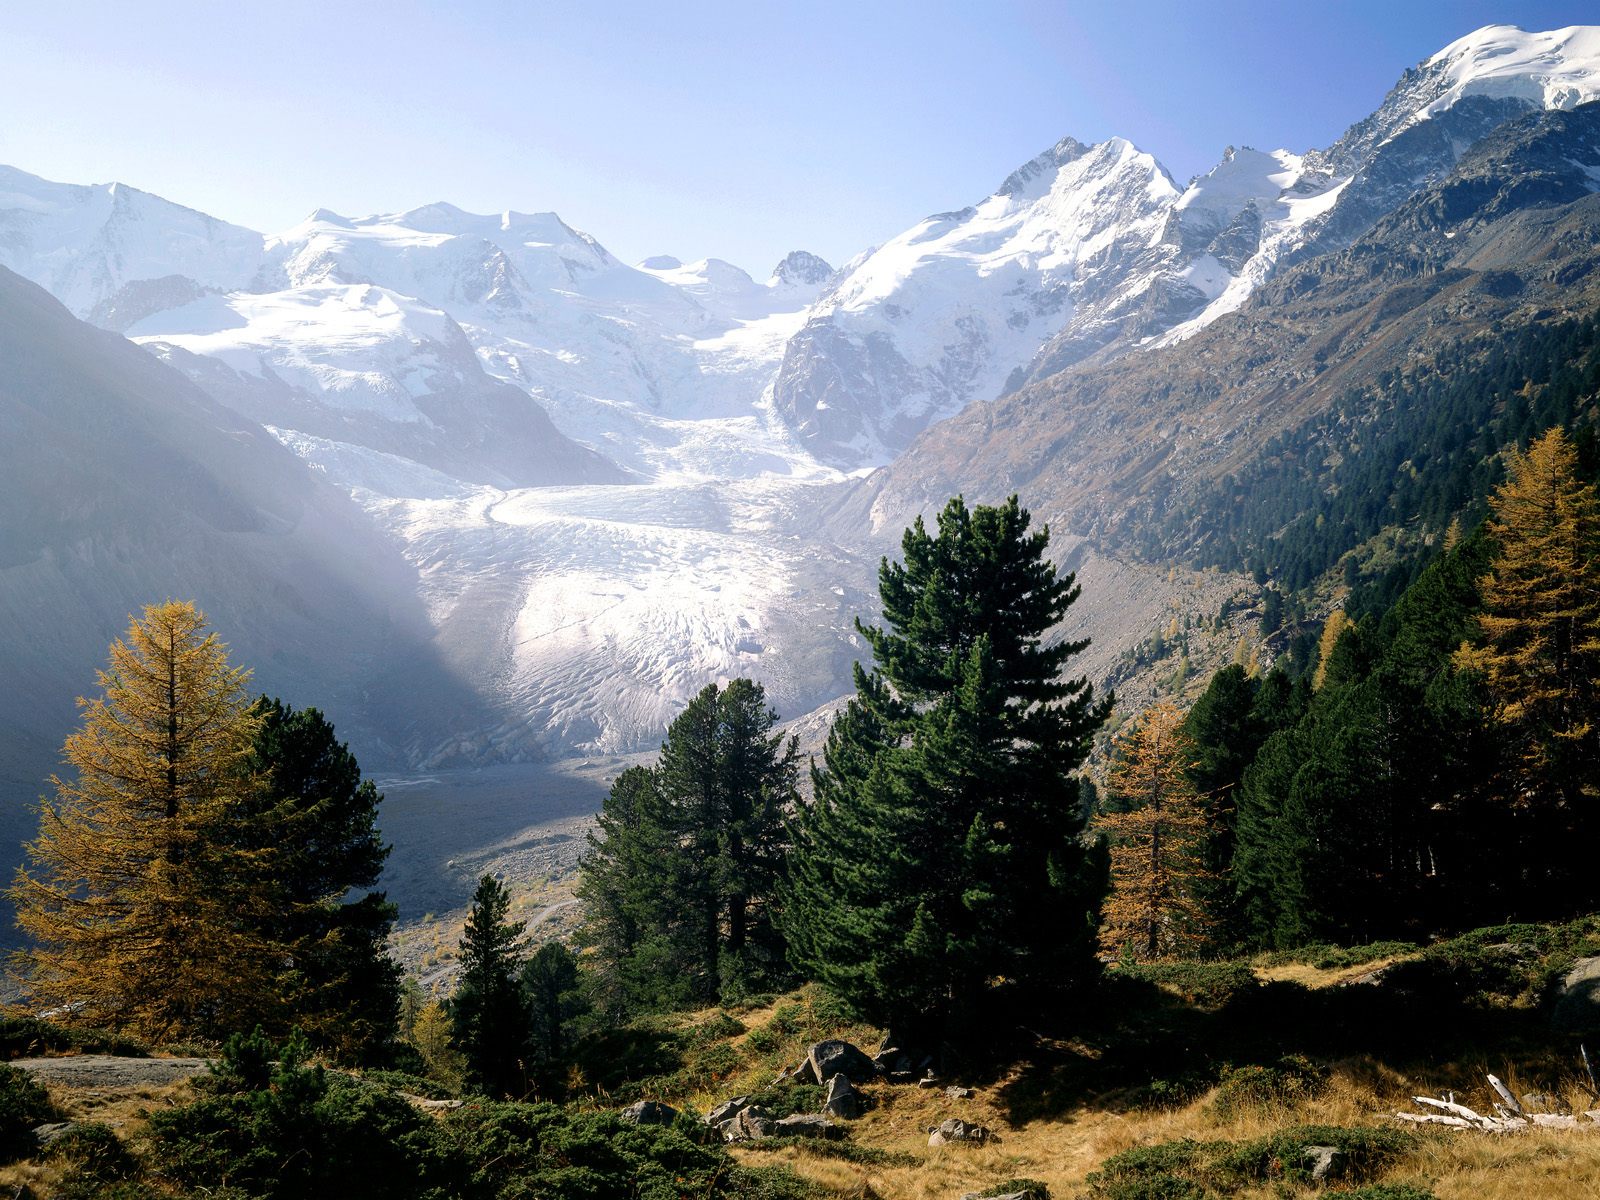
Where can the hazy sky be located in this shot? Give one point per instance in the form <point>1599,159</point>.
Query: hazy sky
<point>739,130</point>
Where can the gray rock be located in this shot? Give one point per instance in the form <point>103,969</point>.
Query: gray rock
<point>752,1124</point>
<point>834,1057</point>
<point>954,1131</point>
<point>806,1072</point>
<point>45,1134</point>
<point>1325,1162</point>
<point>727,1110</point>
<point>958,1093</point>
<point>807,1125</point>
<point>992,1196</point>
<point>1577,1001</point>
<point>842,1100</point>
<point>928,1081</point>
<point>649,1112</point>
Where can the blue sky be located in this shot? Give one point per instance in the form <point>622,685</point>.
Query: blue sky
<point>739,130</point>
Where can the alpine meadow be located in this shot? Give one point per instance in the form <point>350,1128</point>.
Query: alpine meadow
<point>1095,697</point>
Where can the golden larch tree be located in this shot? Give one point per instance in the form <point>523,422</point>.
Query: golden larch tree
<point>142,887</point>
<point>1332,630</point>
<point>1154,910</point>
<point>1539,644</point>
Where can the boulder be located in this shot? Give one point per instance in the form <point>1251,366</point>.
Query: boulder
<point>804,1073</point>
<point>842,1100</point>
<point>727,1110</point>
<point>1326,1163</point>
<point>45,1134</point>
<point>807,1125</point>
<point>649,1112</point>
<point>958,1093</point>
<point>953,1131</point>
<point>1577,1001</point>
<point>750,1125</point>
<point>835,1057</point>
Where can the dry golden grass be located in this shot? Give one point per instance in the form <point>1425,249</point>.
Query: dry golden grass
<point>1062,1152</point>
<point>1318,977</point>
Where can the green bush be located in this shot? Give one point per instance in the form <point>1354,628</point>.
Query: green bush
<point>411,1085</point>
<point>29,1037</point>
<point>1366,1151</point>
<point>1290,1081</point>
<point>1191,1170</point>
<point>1388,1191</point>
<point>94,1151</point>
<point>1209,984</point>
<point>1164,1171</point>
<point>270,1127</point>
<point>1029,1189</point>
<point>718,1028</point>
<point>23,1104</point>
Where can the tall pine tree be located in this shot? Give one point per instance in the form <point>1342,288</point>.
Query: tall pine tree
<point>489,1020</point>
<point>680,884</point>
<point>939,876</point>
<point>339,986</point>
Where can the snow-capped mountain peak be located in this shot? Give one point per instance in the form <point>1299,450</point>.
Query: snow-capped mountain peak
<point>1558,68</point>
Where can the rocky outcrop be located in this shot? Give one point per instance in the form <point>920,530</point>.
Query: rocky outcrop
<point>835,1057</point>
<point>842,1100</point>
<point>649,1112</point>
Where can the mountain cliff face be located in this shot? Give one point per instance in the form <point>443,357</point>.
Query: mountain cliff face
<point>1089,252</point>
<point>124,484</point>
<point>1121,452</point>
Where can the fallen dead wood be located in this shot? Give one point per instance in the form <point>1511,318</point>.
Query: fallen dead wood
<point>1510,1115</point>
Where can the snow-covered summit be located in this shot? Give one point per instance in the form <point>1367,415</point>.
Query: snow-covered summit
<point>1556,69</point>
<point>944,313</point>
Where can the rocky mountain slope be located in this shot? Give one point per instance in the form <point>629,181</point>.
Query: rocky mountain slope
<point>1123,453</point>
<point>125,484</point>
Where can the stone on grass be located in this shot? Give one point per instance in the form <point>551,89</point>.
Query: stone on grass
<point>842,1100</point>
<point>727,1110</point>
<point>836,1057</point>
<point>1324,1162</point>
<point>807,1125</point>
<point>649,1112</point>
<point>953,1131</point>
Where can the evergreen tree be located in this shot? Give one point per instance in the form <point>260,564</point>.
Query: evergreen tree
<point>147,887</point>
<point>939,875</point>
<point>1155,909</point>
<point>340,987</point>
<point>1539,654</point>
<point>681,880</point>
<point>489,1023</point>
<point>553,997</point>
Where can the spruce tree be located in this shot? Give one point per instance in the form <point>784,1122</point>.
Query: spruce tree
<point>939,876</point>
<point>489,1023</point>
<point>147,888</point>
<point>340,987</point>
<point>680,884</point>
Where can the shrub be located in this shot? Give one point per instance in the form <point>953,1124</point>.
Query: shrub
<point>411,1085</point>
<point>1164,1171</point>
<point>94,1152</point>
<point>1243,1089</point>
<point>1210,984</point>
<point>1366,1151</point>
<point>1388,1191</point>
<point>718,1028</point>
<point>23,1104</point>
<point>28,1037</point>
<point>1029,1189</point>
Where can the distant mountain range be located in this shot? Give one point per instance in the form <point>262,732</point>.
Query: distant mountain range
<point>547,495</point>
